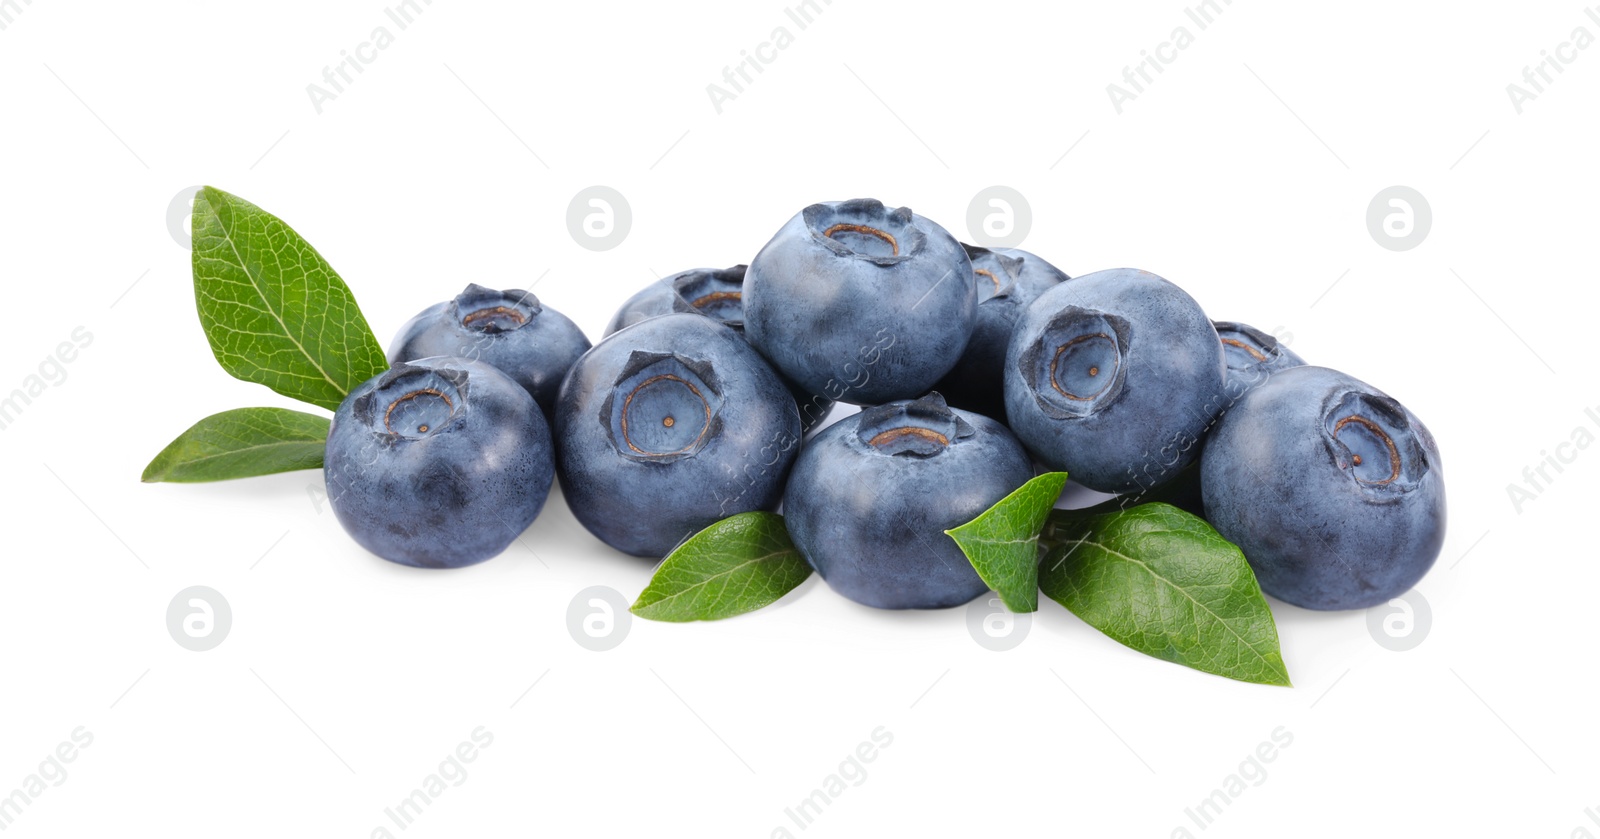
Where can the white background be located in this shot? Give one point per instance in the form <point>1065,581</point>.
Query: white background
<point>1243,173</point>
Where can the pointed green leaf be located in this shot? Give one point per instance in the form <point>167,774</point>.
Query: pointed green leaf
<point>1003,543</point>
<point>735,566</point>
<point>1165,583</point>
<point>242,443</point>
<point>273,309</point>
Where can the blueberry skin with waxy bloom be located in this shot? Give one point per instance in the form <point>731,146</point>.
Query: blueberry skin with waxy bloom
<point>859,302</point>
<point>438,462</point>
<point>669,426</point>
<point>873,494</point>
<point>1333,490</point>
<point>1251,355</point>
<point>717,294</point>
<point>510,330</point>
<point>1006,281</point>
<point>1114,377</point>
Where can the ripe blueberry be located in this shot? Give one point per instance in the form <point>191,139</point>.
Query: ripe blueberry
<point>717,294</point>
<point>438,463</point>
<point>1114,378</point>
<point>860,303</point>
<point>1251,355</point>
<point>507,329</point>
<point>1007,281</point>
<point>668,426</point>
<point>872,495</point>
<point>1333,490</point>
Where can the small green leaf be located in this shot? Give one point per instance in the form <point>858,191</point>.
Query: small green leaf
<point>1003,543</point>
<point>735,566</point>
<point>1165,583</point>
<point>242,443</point>
<point>272,308</point>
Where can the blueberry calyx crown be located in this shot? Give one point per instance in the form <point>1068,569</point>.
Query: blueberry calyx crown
<point>1245,347</point>
<point>1374,440</point>
<point>717,294</point>
<point>491,312</point>
<point>1076,366</point>
<point>863,228</point>
<point>662,407</point>
<point>995,274</point>
<point>413,401</point>
<point>917,428</point>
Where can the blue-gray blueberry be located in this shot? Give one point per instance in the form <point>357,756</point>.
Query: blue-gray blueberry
<point>1333,490</point>
<point>1006,281</point>
<point>1114,377</point>
<point>669,426</point>
<point>438,462</point>
<point>1251,355</point>
<point>533,344</point>
<point>873,494</point>
<point>860,303</point>
<point>716,293</point>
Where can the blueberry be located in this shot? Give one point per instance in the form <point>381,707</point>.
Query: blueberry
<point>717,294</point>
<point>872,495</point>
<point>1007,282</point>
<point>1114,377</point>
<point>1333,490</point>
<point>438,463</point>
<point>1251,355</point>
<point>1182,491</point>
<point>860,303</point>
<point>669,426</point>
<point>508,329</point>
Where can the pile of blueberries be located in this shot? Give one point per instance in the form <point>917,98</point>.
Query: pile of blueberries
<point>975,369</point>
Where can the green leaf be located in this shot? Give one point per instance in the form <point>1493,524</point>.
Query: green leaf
<point>1165,583</point>
<point>1003,543</point>
<point>242,443</point>
<point>272,308</point>
<point>735,566</point>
